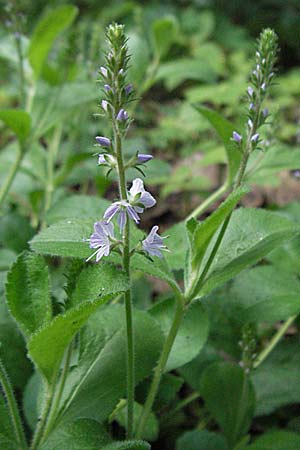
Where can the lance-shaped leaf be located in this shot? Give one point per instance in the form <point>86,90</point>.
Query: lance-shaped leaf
<point>224,128</point>
<point>128,445</point>
<point>7,434</point>
<point>164,32</point>
<point>251,235</point>
<point>45,33</point>
<point>18,121</point>
<point>276,440</point>
<point>28,293</point>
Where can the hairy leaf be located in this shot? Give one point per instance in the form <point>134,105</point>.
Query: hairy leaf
<point>18,121</point>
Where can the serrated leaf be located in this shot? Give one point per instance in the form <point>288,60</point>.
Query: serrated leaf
<point>164,32</point>
<point>224,129</point>
<point>192,333</point>
<point>65,238</point>
<point>7,434</point>
<point>28,293</point>
<point>251,235</point>
<point>80,434</point>
<point>18,121</point>
<point>229,397</point>
<point>101,279</point>
<point>47,346</point>
<point>276,440</point>
<point>158,267</point>
<point>128,445</point>
<point>45,33</point>
<point>98,381</point>
<point>264,294</point>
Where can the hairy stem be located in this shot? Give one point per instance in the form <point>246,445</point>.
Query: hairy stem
<point>11,176</point>
<point>21,68</point>
<point>273,342</point>
<point>128,299</point>
<point>208,202</point>
<point>159,370</point>
<point>12,407</point>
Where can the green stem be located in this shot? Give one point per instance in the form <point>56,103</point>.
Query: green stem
<point>208,202</point>
<point>128,299</point>
<point>51,159</point>
<point>12,407</point>
<point>182,404</point>
<point>21,68</point>
<point>53,414</point>
<point>159,370</point>
<point>273,342</point>
<point>11,176</point>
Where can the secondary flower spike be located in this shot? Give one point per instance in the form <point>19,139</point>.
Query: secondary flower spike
<point>153,244</point>
<point>100,239</point>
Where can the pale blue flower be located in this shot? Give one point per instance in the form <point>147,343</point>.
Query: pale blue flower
<point>143,158</point>
<point>153,244</point>
<point>139,198</point>
<point>103,141</point>
<point>121,208</point>
<point>122,115</point>
<point>236,137</point>
<point>100,239</point>
<point>103,70</point>
<point>128,89</point>
<point>255,138</point>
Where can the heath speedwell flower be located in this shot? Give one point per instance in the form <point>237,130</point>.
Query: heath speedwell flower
<point>139,198</point>
<point>153,244</point>
<point>100,239</point>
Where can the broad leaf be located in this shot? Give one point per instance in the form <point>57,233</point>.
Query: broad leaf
<point>224,129</point>
<point>229,397</point>
<point>65,238</point>
<point>264,294</point>
<point>18,121</point>
<point>164,32</point>
<point>250,236</point>
<point>45,33</point>
<point>81,434</point>
<point>192,333</point>
<point>98,381</point>
<point>47,346</point>
<point>28,293</point>
<point>101,279</point>
<point>177,243</point>
<point>128,445</point>
<point>200,440</point>
<point>276,440</point>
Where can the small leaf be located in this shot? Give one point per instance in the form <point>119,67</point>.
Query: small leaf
<point>128,445</point>
<point>276,440</point>
<point>80,434</point>
<point>229,397</point>
<point>28,293</point>
<point>224,129</point>
<point>18,121</point>
<point>192,333</point>
<point>158,267</point>
<point>47,346</point>
<point>164,32</point>
<point>45,33</point>
<point>200,440</point>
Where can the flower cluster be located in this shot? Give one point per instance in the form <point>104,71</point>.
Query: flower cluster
<point>117,94</point>
<point>260,81</point>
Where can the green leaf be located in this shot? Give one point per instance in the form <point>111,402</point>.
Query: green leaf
<point>45,33</point>
<point>47,346</point>
<point>200,440</point>
<point>158,267</point>
<point>192,333</point>
<point>101,279</point>
<point>151,428</point>
<point>204,231</point>
<point>10,235</point>
<point>98,381</point>
<point>77,206</point>
<point>276,440</point>
<point>65,238</point>
<point>264,294</point>
<point>224,129</point>
<point>229,397</point>
<point>251,235</point>
<point>282,387</point>
<point>80,434</point>
<point>28,293</point>
<point>18,121</point>
<point>164,32</point>
<point>7,434</point>
<point>177,243</point>
<point>128,445</point>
